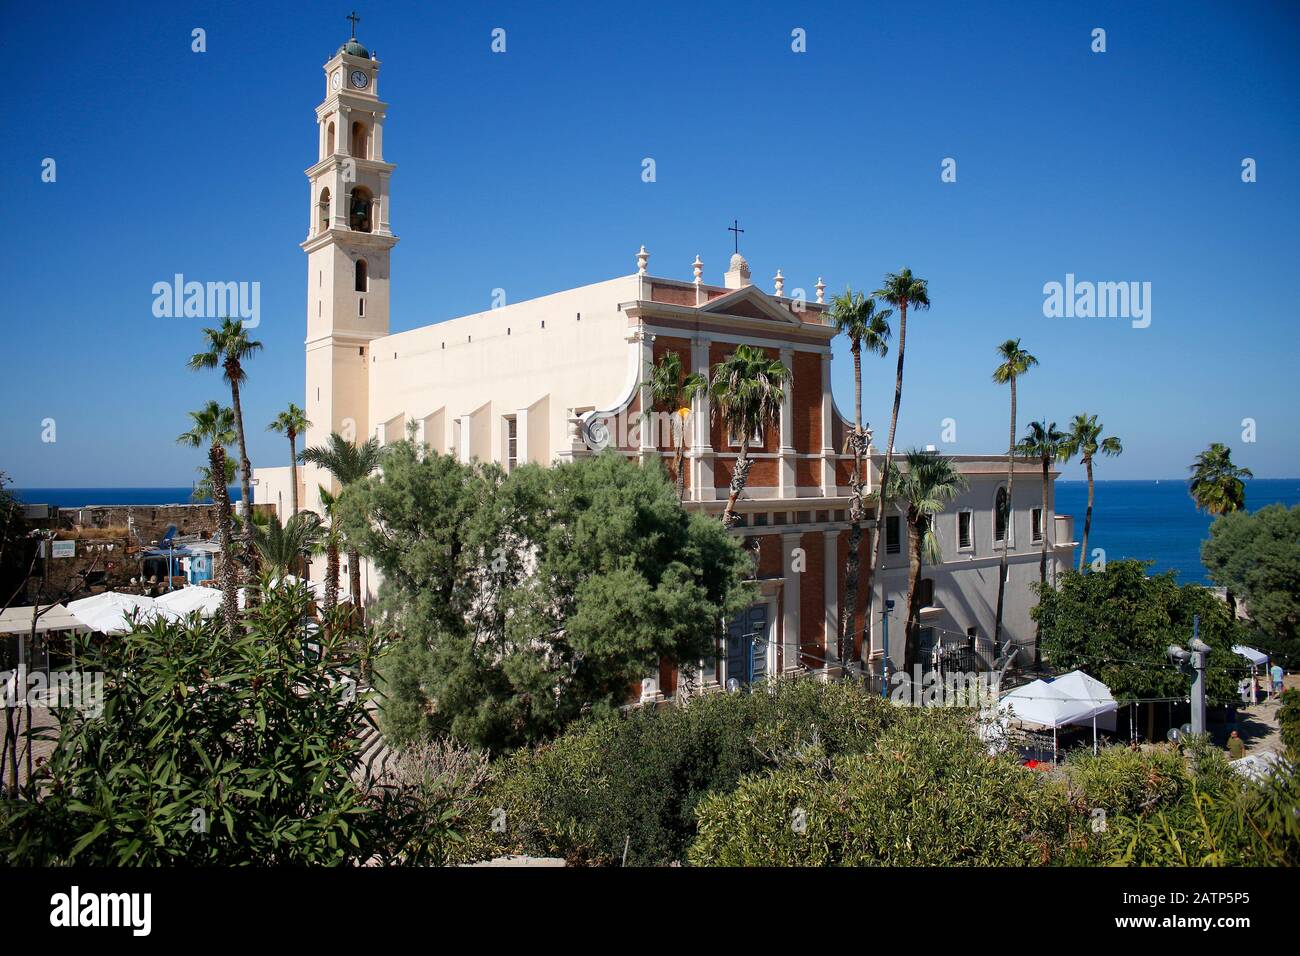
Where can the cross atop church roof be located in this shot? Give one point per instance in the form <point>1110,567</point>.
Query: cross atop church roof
<point>735,227</point>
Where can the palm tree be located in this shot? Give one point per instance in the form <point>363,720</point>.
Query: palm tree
<point>1084,439</point>
<point>1015,362</point>
<point>282,547</point>
<point>855,315</point>
<point>930,481</point>
<point>1042,441</point>
<point>747,391</point>
<point>228,348</point>
<point>902,290</point>
<point>1217,485</point>
<point>328,543</point>
<point>203,488</point>
<point>673,392</point>
<point>215,426</point>
<point>348,463</point>
<point>291,423</point>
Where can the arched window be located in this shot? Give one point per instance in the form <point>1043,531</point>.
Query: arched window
<point>360,139</point>
<point>361,277</point>
<point>359,210</point>
<point>1000,515</point>
<point>323,209</point>
<point>329,139</point>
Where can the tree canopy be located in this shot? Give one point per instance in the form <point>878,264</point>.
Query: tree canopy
<point>521,601</point>
<point>1117,625</point>
<point>1256,556</point>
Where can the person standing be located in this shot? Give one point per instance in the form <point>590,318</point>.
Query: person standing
<point>1277,674</point>
<point>1236,747</point>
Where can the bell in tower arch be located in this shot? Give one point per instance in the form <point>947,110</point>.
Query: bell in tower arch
<point>359,210</point>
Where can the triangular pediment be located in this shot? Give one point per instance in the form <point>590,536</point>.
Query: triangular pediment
<point>750,302</point>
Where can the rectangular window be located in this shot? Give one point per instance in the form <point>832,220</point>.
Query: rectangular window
<point>512,443</point>
<point>1000,516</point>
<point>1038,525</point>
<point>926,596</point>
<point>755,440</point>
<point>893,538</point>
<point>963,530</point>
<point>361,308</point>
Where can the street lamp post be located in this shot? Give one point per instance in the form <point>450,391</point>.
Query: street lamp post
<point>1196,659</point>
<point>884,668</point>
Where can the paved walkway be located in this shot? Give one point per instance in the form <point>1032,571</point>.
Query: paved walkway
<point>1258,724</point>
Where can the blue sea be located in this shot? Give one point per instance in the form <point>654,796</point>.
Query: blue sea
<point>80,497</point>
<point>1149,520</point>
<point>1157,520</point>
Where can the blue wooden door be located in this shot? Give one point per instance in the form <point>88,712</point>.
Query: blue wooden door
<point>747,646</point>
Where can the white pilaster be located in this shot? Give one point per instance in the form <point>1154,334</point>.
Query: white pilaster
<point>786,471</point>
<point>831,575</point>
<point>828,414</point>
<point>792,657</point>
<point>702,444</point>
<point>648,431</point>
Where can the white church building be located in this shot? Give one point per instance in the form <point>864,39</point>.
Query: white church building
<point>563,375</point>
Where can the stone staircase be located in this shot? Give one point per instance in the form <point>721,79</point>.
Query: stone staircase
<point>376,755</point>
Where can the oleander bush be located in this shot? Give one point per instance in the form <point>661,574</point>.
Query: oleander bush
<point>632,783</point>
<point>925,793</point>
<point>1123,781</point>
<point>222,750</point>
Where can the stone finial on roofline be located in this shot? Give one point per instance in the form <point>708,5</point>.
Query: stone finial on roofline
<point>821,290</point>
<point>737,276</point>
<point>698,266</point>
<point>780,283</point>
<point>642,258</point>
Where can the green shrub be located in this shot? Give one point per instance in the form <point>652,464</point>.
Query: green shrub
<point>1250,824</point>
<point>1123,781</point>
<point>1288,716</point>
<point>926,793</point>
<point>222,751</point>
<point>633,782</point>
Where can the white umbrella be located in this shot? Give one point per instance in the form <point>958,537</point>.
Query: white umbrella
<point>184,601</point>
<point>108,612</point>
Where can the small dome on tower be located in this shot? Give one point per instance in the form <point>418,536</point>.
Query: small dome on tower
<point>353,48</point>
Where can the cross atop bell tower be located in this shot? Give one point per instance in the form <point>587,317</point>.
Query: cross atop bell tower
<point>349,239</point>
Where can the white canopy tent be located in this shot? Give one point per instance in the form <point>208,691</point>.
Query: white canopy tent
<point>1073,698</point>
<point>1257,659</point>
<point>53,617</point>
<point>108,612</point>
<point>16,625</point>
<point>185,601</point>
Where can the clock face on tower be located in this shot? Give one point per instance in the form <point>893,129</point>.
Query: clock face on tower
<point>337,79</point>
<point>360,79</point>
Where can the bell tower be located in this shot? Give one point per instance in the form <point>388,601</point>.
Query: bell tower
<point>348,243</point>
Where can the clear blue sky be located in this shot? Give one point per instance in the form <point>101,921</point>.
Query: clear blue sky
<point>522,171</point>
